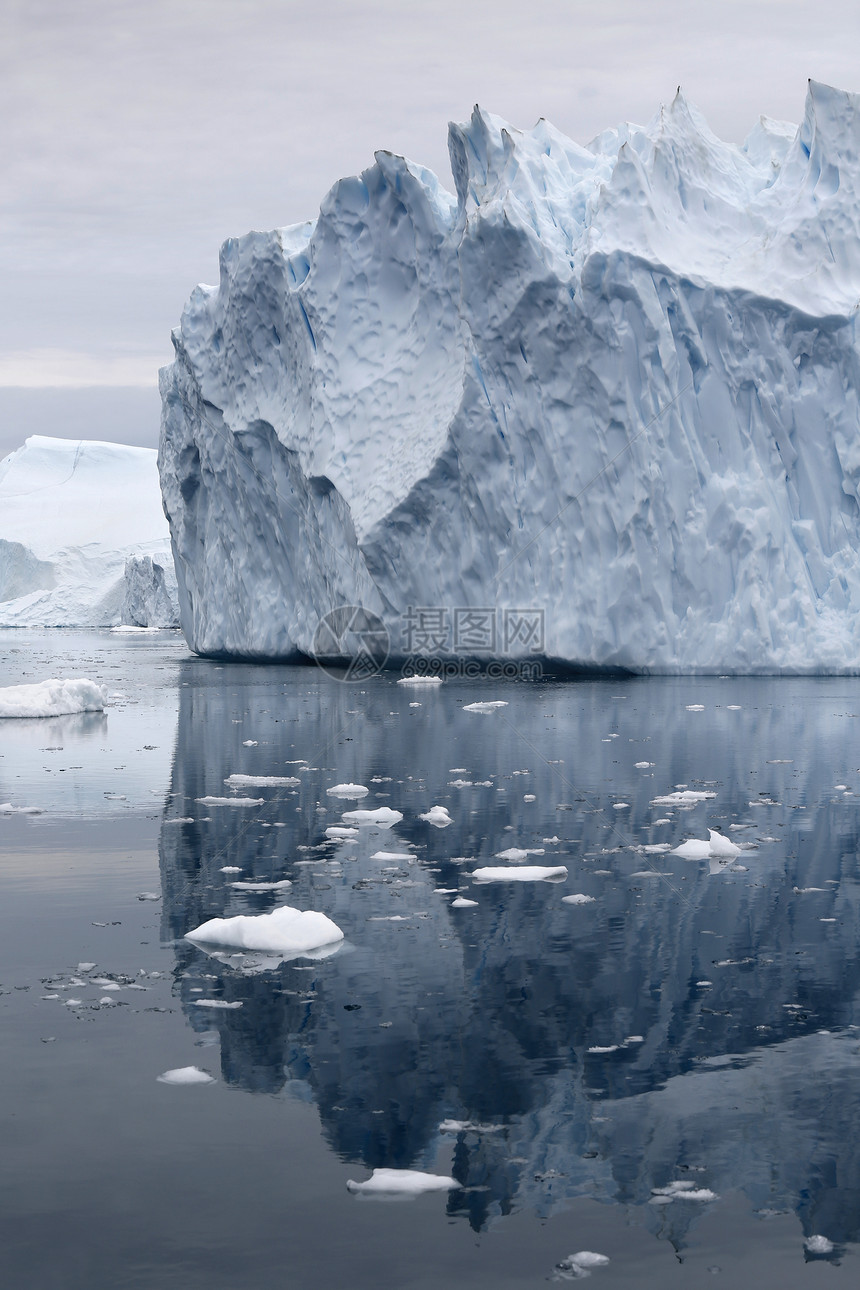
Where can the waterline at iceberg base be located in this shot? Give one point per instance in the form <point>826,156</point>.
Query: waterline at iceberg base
<point>614,385</point>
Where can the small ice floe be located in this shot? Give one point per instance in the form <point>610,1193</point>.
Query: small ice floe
<point>382,818</point>
<point>262,781</point>
<point>485,708</point>
<point>148,895</point>
<point>603,1048</point>
<point>578,898</point>
<point>818,1245</point>
<point>230,801</point>
<point>179,819</point>
<point>655,848</point>
<point>463,902</point>
<point>6,808</point>
<point>578,1266</point>
<point>107,1001</point>
<point>438,816</point>
<point>288,932</point>
<point>733,707</point>
<point>802,891</point>
<point>281,885</point>
<point>347,790</point>
<point>643,765</point>
<point>420,680</point>
<point>392,855</point>
<point>469,1126</point>
<point>216,1003</point>
<point>460,783</point>
<point>695,707</point>
<point>129,630</point>
<point>85,967</point>
<point>681,1189</point>
<point>650,873</point>
<point>683,797</point>
<point>230,868</point>
<point>551,841</point>
<point>249,743</point>
<point>389,918</point>
<point>52,698</point>
<point>717,847</point>
<point>185,1075</point>
<point>401,1182</point>
<point>338,833</point>
<point>516,854</point>
<point>523,873</point>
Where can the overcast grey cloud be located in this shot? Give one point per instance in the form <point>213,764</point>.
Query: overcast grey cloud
<point>138,134</point>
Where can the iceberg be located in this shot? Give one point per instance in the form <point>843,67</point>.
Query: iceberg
<point>599,406</point>
<point>288,932</point>
<point>83,538</point>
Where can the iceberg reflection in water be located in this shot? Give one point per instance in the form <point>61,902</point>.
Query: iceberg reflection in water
<point>687,1033</point>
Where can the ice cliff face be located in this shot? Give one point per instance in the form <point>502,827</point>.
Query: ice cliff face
<point>615,384</point>
<point>80,523</point>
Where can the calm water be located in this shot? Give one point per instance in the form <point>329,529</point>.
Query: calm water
<point>694,1023</point>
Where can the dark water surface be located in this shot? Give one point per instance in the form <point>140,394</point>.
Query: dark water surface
<point>694,1023</point>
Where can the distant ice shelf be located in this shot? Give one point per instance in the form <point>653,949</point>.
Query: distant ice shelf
<point>599,407</point>
<point>83,538</point>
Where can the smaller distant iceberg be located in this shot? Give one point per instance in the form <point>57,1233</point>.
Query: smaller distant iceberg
<point>83,537</point>
<point>400,1184</point>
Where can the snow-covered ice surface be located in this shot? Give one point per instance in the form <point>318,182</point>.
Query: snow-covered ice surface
<point>706,1119</point>
<point>83,538</point>
<point>402,1183</point>
<point>613,384</point>
<point>185,1075</point>
<point>52,698</point>
<point>286,931</point>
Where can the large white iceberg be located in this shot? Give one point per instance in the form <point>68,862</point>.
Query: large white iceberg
<point>288,932</point>
<point>83,538</point>
<point>605,400</point>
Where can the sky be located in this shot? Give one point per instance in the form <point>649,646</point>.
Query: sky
<point>137,135</point>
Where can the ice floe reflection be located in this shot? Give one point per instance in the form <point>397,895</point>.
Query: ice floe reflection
<point>677,1031</point>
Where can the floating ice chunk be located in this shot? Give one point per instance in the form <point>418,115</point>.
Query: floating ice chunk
<point>230,868</point>
<point>286,931</point>
<point>635,1039</point>
<point>463,902</point>
<point>485,708</point>
<point>107,1000</point>
<point>437,815</point>
<point>401,1182</point>
<point>693,849</point>
<point>603,1048</point>
<point>6,808</point>
<point>186,1075</point>
<point>392,855</point>
<point>230,801</point>
<point>516,854</point>
<point>656,848</point>
<point>180,819</point>
<point>382,818</point>
<point>148,895</point>
<point>818,1245</point>
<point>262,781</point>
<point>52,698</point>
<point>695,707</point>
<point>338,833</point>
<point>685,797</point>
<point>85,967</point>
<point>643,765</point>
<point>249,743</point>
<point>281,885</point>
<point>460,783</point>
<point>420,680</point>
<point>681,1189</point>
<point>551,840</point>
<point>523,873</point>
<point>469,1126</point>
<point>621,806</point>
<point>216,1003</point>
<point>530,797</point>
<point>347,790</point>
<point>721,847</point>
<point>579,898</point>
<point>578,1266</point>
